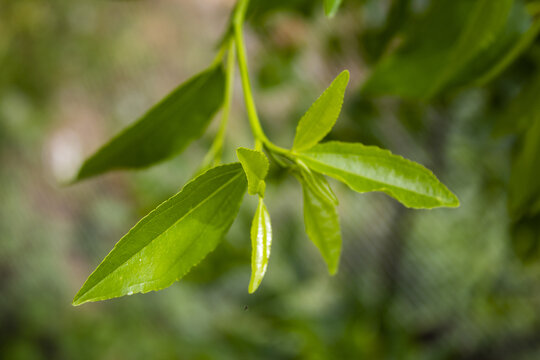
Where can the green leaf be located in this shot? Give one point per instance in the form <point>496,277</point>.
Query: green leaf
<point>322,115</point>
<point>255,165</point>
<point>165,130</point>
<point>173,238</point>
<point>369,168</point>
<point>439,46</point>
<point>261,241</point>
<point>321,221</point>
<point>331,7</point>
<point>317,183</point>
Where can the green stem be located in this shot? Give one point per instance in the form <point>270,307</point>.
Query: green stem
<point>254,121</point>
<point>256,128</point>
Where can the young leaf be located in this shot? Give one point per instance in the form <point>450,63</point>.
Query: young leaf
<point>261,241</point>
<point>331,7</point>
<point>322,115</point>
<point>322,223</point>
<point>170,240</point>
<point>317,183</point>
<point>369,168</point>
<point>255,165</point>
<point>165,130</point>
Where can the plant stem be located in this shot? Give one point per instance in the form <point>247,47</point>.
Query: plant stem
<point>256,128</point>
<point>254,121</point>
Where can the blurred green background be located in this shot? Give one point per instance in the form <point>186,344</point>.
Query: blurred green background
<point>443,284</point>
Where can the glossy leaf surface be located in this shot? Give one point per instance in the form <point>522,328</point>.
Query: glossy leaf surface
<point>255,165</point>
<point>165,130</point>
<point>369,168</point>
<point>322,224</point>
<point>261,241</point>
<point>331,7</point>
<point>322,115</point>
<point>170,240</point>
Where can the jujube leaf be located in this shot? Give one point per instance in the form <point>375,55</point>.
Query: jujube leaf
<point>317,183</point>
<point>261,241</point>
<point>321,221</point>
<point>322,115</point>
<point>255,165</point>
<point>331,7</point>
<point>369,168</point>
<point>165,130</point>
<point>170,240</point>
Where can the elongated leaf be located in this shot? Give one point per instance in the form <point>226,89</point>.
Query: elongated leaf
<point>255,165</point>
<point>439,46</point>
<point>170,240</point>
<point>322,115</point>
<point>165,130</point>
<point>261,241</point>
<point>322,224</point>
<point>317,183</point>
<point>369,168</point>
<point>331,7</point>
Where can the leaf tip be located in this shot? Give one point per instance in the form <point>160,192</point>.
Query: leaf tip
<point>345,74</point>
<point>253,286</point>
<point>333,269</point>
<point>453,201</point>
<point>77,300</point>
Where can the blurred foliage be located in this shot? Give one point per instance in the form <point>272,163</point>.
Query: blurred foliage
<point>443,284</point>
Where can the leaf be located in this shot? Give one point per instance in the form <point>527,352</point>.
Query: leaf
<point>322,222</point>
<point>317,183</point>
<point>170,240</point>
<point>261,241</point>
<point>255,165</point>
<point>369,168</point>
<point>438,46</point>
<point>331,7</point>
<point>165,130</point>
<point>322,115</point>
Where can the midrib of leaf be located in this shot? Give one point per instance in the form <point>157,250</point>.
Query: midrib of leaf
<point>383,185</point>
<point>163,233</point>
<point>186,249</point>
